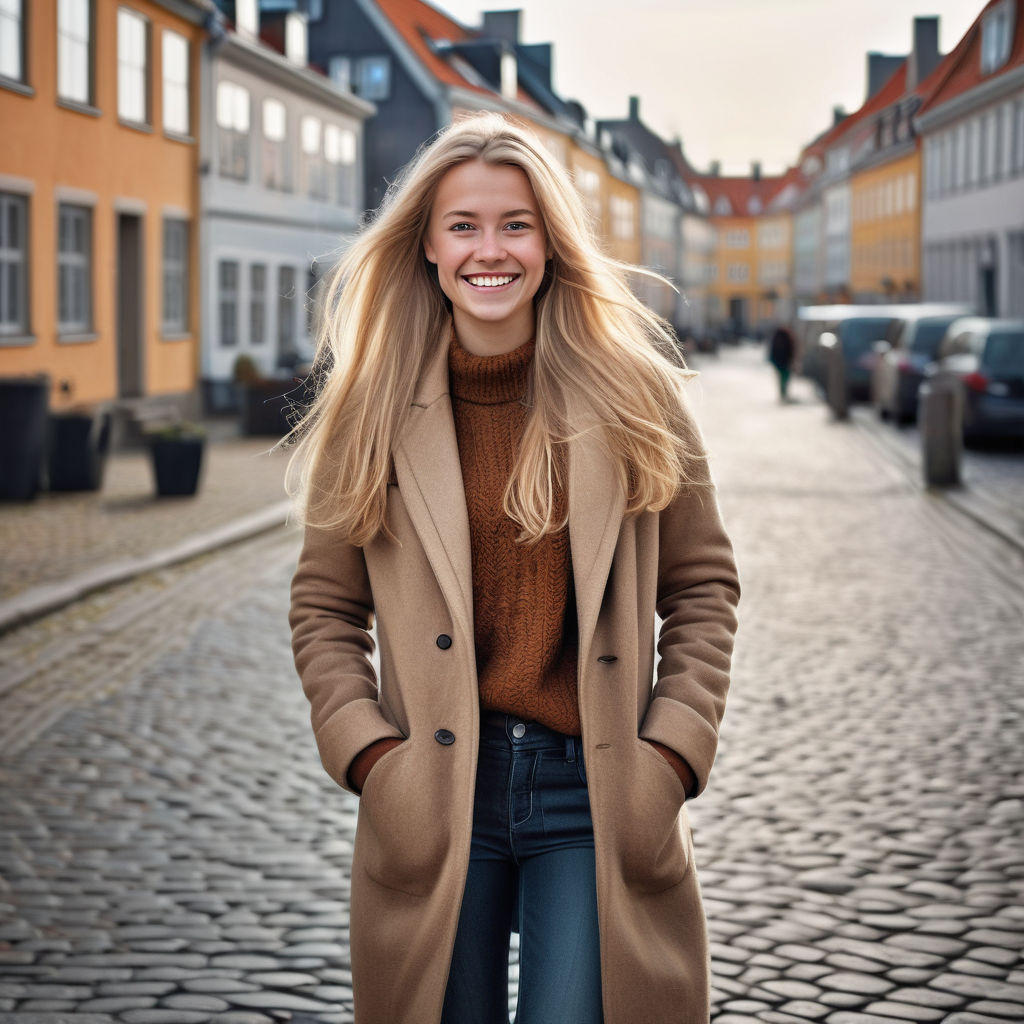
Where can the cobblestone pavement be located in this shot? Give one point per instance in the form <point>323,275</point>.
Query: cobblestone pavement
<point>59,535</point>
<point>170,849</point>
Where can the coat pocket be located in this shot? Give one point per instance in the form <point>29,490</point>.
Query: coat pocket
<point>654,846</point>
<point>402,835</point>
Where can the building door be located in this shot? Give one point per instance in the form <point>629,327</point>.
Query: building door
<point>738,316</point>
<point>130,337</point>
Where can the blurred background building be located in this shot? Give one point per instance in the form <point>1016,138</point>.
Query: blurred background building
<point>178,175</point>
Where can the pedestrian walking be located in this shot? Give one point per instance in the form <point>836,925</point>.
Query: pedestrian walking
<point>501,473</point>
<point>781,352</point>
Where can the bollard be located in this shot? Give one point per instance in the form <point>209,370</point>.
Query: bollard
<point>940,421</point>
<point>836,392</point>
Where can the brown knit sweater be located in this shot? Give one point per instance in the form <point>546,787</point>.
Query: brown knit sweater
<point>524,610</point>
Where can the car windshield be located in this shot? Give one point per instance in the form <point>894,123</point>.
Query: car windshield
<point>1004,354</point>
<point>929,334</point>
<point>860,335</point>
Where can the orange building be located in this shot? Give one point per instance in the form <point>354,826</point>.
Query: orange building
<point>750,269</point>
<point>99,189</point>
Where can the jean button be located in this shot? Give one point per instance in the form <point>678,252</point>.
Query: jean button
<point>519,730</point>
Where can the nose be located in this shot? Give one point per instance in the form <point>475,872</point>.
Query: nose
<point>490,249</point>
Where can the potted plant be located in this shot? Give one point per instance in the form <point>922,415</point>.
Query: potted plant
<point>177,450</point>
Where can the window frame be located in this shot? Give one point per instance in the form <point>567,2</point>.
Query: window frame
<point>171,86</point>
<point>90,56</point>
<point>175,322</point>
<point>75,271</point>
<point>126,15</point>
<point>228,300</point>
<point>15,331</point>
<point>234,147</point>
<point>19,77</point>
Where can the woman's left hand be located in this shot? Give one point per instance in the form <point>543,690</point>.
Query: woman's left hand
<point>679,765</point>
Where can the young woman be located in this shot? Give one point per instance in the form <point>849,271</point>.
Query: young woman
<point>501,474</point>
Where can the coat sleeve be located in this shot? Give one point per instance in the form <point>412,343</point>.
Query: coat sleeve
<point>698,591</point>
<point>331,615</point>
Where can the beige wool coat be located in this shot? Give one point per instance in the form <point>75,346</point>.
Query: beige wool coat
<point>415,812</point>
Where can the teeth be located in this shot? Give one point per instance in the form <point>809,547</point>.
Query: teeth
<point>491,282</point>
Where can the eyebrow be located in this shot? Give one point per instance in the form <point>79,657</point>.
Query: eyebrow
<point>508,213</point>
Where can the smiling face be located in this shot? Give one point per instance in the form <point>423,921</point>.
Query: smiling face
<point>487,239</point>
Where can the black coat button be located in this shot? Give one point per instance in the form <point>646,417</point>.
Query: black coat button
<point>445,737</point>
<point>444,641</point>
<point>607,659</point>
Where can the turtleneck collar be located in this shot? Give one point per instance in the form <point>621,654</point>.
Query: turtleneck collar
<point>489,380</point>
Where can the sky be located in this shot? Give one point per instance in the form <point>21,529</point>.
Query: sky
<point>736,80</point>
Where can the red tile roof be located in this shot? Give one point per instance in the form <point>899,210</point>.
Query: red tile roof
<point>417,22</point>
<point>739,191</point>
<point>961,70</point>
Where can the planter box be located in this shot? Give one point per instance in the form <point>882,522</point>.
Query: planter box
<point>177,464</point>
<point>24,402</point>
<point>78,448</point>
<point>264,406</point>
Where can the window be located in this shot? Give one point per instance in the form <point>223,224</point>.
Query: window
<point>233,130</point>
<point>176,114</point>
<point>339,70</point>
<point>993,135</point>
<point>275,130</point>
<point>74,269</point>
<point>132,61</point>
<point>227,288</point>
<point>737,272</point>
<point>996,36</point>
<point>314,166</point>
<point>257,303</point>
<point>340,154</point>
<point>285,312</point>
<point>911,191</point>
<point>13,264</point>
<point>373,78</point>
<point>622,210</point>
<point>74,71</point>
<point>737,238</point>
<point>722,207</point>
<point>12,40</point>
<point>1018,137</point>
<point>175,316</point>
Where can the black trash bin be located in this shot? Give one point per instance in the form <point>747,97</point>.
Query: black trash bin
<point>24,403</point>
<point>79,442</point>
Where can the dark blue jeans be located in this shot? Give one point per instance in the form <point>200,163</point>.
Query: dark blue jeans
<point>531,868</point>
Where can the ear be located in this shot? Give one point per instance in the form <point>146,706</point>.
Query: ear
<point>429,251</point>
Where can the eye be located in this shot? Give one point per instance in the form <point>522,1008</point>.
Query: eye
<point>517,225</point>
<point>461,226</point>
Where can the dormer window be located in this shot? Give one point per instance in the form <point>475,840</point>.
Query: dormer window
<point>996,37</point>
<point>754,206</point>
<point>723,208</point>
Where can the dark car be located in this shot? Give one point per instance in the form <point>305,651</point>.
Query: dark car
<point>987,357</point>
<point>900,368</point>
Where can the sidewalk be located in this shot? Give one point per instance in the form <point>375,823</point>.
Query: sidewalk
<point>63,545</point>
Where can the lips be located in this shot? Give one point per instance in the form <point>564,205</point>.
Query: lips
<point>489,280</point>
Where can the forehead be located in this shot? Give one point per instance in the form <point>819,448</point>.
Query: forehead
<point>478,186</point>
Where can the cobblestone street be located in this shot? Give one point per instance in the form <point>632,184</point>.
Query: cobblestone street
<point>171,851</point>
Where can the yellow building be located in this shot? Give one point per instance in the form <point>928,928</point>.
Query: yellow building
<point>99,191</point>
<point>885,230</point>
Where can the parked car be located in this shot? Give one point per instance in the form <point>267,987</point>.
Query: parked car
<point>857,328</point>
<point>900,365</point>
<point>986,356</point>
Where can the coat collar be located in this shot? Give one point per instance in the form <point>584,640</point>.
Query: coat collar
<point>430,479</point>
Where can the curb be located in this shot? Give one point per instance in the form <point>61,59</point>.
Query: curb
<point>969,501</point>
<point>48,597</point>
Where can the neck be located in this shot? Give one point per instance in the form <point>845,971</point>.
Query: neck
<point>487,339</point>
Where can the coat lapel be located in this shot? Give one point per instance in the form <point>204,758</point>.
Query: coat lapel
<point>596,507</point>
<point>430,480</point>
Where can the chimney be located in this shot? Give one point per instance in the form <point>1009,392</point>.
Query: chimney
<point>247,18</point>
<point>634,108</point>
<point>838,114</point>
<point>755,170</point>
<point>715,169</point>
<point>296,38</point>
<point>925,56</point>
<point>502,26</point>
<point>881,67</point>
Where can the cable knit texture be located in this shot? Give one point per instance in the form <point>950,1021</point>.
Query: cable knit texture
<point>523,606</point>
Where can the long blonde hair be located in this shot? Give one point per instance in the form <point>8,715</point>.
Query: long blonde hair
<point>598,349</point>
